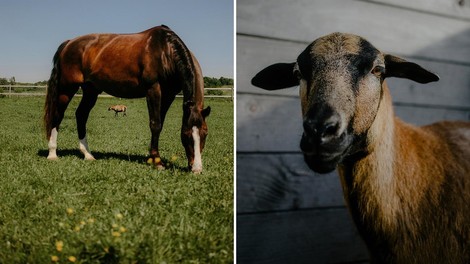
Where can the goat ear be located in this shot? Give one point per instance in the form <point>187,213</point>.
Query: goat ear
<point>398,67</point>
<point>275,77</point>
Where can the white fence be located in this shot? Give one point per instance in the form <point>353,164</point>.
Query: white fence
<point>40,90</point>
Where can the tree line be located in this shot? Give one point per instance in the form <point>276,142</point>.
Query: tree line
<point>211,82</point>
<point>208,82</point>
<point>7,81</point>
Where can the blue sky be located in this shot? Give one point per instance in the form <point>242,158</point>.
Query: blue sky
<point>31,30</point>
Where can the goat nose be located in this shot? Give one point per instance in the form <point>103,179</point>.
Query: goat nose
<point>310,126</point>
<point>323,130</point>
<point>330,129</point>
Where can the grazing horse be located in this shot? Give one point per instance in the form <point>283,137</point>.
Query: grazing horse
<point>154,64</point>
<point>118,109</point>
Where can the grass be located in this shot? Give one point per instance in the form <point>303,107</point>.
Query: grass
<point>116,209</point>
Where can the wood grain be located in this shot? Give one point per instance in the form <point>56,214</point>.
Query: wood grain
<point>305,236</point>
<point>274,182</point>
<point>395,30</point>
<point>449,8</point>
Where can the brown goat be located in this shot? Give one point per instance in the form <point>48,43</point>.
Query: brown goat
<point>117,109</point>
<point>407,187</point>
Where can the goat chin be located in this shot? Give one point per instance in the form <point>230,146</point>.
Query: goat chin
<point>321,165</point>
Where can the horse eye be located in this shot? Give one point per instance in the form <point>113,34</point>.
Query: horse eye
<point>378,71</point>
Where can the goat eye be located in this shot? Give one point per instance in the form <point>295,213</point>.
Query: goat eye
<point>378,71</point>
<point>297,74</point>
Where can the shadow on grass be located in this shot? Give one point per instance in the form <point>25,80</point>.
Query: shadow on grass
<point>140,159</point>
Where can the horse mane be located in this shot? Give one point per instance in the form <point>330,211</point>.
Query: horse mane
<point>184,65</point>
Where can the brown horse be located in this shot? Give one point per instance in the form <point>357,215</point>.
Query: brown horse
<point>155,64</point>
<point>118,109</point>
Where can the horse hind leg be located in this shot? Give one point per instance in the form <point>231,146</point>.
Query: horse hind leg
<point>90,95</point>
<point>63,99</point>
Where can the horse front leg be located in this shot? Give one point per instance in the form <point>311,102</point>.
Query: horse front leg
<point>90,95</point>
<point>154,98</point>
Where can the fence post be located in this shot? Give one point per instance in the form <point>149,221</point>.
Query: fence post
<point>9,90</point>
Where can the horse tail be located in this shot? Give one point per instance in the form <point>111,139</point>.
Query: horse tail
<point>52,94</point>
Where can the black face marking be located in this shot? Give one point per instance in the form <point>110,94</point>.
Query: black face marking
<point>360,65</point>
<point>306,64</point>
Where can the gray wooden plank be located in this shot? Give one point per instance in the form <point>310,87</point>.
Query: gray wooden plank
<point>268,123</point>
<point>392,29</point>
<point>273,123</point>
<point>456,8</point>
<point>453,89</point>
<point>273,182</point>
<point>424,116</point>
<point>306,236</point>
<point>254,54</point>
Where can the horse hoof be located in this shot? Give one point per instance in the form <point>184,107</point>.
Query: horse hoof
<point>197,170</point>
<point>52,158</point>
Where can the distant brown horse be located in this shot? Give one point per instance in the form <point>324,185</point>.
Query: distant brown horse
<point>118,109</point>
<point>155,64</point>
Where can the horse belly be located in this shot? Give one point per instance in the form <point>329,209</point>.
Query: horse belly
<point>124,90</point>
<point>120,80</point>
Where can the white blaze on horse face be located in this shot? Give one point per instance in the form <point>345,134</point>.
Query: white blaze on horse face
<point>83,145</point>
<point>53,145</point>
<point>197,165</point>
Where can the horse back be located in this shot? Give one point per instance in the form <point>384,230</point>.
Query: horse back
<point>119,64</point>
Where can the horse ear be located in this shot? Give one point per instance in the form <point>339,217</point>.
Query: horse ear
<point>276,76</point>
<point>205,112</point>
<point>398,67</point>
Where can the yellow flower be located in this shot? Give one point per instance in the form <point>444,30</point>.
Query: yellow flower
<point>174,158</point>
<point>54,258</point>
<point>119,216</point>
<point>116,234</point>
<point>114,225</point>
<point>91,220</point>
<point>82,223</point>
<point>76,228</point>
<point>72,259</point>
<point>69,211</point>
<point>122,229</point>
<point>59,245</point>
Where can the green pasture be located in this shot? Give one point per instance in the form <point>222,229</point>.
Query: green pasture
<point>117,209</point>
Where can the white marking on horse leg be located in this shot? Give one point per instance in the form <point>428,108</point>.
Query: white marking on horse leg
<point>197,165</point>
<point>83,145</point>
<point>53,145</point>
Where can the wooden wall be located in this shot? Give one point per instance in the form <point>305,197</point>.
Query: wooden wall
<point>285,212</point>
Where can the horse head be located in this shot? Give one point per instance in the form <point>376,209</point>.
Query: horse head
<point>194,133</point>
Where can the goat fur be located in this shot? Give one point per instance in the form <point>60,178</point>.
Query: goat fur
<point>410,196</point>
<point>409,189</point>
